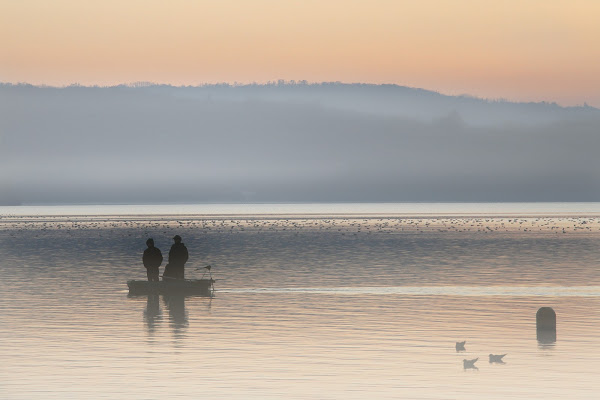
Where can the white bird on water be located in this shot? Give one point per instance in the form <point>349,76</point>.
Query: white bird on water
<point>460,346</point>
<point>497,358</point>
<point>470,364</point>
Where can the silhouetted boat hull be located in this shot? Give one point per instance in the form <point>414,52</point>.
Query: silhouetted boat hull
<point>172,286</point>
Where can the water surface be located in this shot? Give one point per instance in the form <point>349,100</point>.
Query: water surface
<point>310,303</point>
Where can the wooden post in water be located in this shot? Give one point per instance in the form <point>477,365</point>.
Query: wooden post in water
<point>546,325</point>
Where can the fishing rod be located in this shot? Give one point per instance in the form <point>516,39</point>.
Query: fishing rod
<point>207,269</point>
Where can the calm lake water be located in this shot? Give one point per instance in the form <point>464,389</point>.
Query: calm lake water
<point>347,301</point>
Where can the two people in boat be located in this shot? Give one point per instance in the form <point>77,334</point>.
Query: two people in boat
<point>178,256</point>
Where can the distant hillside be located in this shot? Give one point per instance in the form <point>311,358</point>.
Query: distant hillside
<point>289,142</point>
<point>390,100</point>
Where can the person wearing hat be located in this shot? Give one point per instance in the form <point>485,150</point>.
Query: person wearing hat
<point>178,256</point>
<point>152,259</point>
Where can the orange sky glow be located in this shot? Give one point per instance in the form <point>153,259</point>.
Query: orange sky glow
<point>525,50</point>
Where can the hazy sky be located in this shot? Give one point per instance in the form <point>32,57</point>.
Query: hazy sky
<point>514,49</point>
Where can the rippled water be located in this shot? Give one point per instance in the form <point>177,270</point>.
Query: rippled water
<point>317,306</point>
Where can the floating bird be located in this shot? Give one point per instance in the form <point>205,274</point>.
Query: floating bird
<point>497,358</point>
<point>460,346</point>
<point>470,364</point>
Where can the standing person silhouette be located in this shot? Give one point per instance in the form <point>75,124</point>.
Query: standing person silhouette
<point>178,256</point>
<point>152,259</point>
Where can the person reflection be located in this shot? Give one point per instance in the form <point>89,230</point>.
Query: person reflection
<point>177,313</point>
<point>152,315</point>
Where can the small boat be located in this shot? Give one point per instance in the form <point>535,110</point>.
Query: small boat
<point>203,287</point>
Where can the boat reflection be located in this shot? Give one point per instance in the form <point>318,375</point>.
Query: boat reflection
<point>175,305</point>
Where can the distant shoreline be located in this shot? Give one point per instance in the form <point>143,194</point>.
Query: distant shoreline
<point>309,210</point>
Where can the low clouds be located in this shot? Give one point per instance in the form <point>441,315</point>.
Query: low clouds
<point>289,143</point>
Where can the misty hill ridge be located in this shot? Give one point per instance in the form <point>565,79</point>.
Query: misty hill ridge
<point>385,99</point>
<point>289,143</point>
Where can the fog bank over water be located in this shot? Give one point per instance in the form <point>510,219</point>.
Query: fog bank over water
<point>289,143</point>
